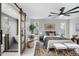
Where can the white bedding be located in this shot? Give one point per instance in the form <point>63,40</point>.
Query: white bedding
<point>71,45</point>
<point>59,46</point>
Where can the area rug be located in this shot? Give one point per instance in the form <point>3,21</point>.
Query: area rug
<point>40,51</point>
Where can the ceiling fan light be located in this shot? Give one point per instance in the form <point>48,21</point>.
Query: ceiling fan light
<point>60,16</point>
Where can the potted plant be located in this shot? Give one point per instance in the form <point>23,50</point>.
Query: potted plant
<point>31,37</point>
<point>30,43</point>
<point>31,28</point>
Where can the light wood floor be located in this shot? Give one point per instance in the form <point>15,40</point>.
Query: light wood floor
<point>40,51</point>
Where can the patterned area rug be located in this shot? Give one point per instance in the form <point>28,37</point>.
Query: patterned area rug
<point>40,51</point>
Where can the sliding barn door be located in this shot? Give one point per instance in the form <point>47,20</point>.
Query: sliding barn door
<point>22,31</point>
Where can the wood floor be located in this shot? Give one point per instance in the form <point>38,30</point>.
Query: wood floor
<point>40,51</point>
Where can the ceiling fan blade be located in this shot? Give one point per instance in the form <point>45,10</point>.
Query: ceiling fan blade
<point>52,13</point>
<point>72,9</point>
<point>72,12</point>
<point>49,15</point>
<point>62,10</point>
<point>66,15</point>
<point>53,16</point>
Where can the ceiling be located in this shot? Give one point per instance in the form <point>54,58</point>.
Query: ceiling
<point>42,10</point>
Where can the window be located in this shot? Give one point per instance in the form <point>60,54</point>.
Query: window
<point>62,26</point>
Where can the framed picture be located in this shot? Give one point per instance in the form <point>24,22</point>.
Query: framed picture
<point>77,27</point>
<point>49,26</point>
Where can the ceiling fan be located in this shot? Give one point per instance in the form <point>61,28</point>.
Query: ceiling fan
<point>67,13</point>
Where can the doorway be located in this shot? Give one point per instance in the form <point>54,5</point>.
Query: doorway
<point>10,36</point>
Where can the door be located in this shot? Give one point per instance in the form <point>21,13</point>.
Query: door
<point>22,31</point>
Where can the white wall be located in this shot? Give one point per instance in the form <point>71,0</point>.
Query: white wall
<point>73,23</point>
<point>70,25</point>
<point>56,22</point>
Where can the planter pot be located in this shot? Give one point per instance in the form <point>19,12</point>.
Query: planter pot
<point>30,44</point>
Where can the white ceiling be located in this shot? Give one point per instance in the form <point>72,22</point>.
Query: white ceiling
<point>42,10</point>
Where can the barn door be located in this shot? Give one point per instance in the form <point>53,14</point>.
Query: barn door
<point>22,31</point>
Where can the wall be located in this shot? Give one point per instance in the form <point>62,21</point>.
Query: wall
<point>56,22</point>
<point>73,23</point>
<point>70,25</point>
